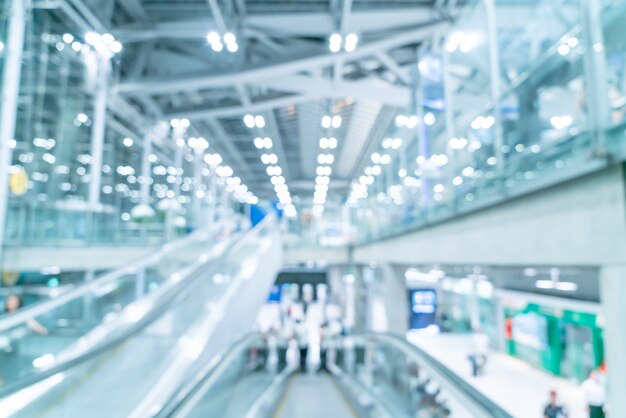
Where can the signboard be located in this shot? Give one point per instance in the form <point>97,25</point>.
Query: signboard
<point>18,182</point>
<point>423,303</point>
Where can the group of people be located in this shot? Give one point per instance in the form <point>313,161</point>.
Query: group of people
<point>594,389</point>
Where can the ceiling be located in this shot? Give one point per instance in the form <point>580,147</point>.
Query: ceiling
<point>283,70</point>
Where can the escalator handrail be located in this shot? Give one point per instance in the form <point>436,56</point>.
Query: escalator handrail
<point>46,306</point>
<point>207,376</point>
<point>178,295</point>
<point>490,408</point>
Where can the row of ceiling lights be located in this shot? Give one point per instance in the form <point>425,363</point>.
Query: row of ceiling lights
<point>217,41</point>
<point>270,159</point>
<point>325,159</point>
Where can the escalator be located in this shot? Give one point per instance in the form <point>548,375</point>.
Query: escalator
<point>371,375</point>
<point>311,396</point>
<point>121,344</point>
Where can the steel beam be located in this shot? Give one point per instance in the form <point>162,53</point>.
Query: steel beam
<point>185,82</point>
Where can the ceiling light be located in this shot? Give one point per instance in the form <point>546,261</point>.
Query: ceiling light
<point>336,121</point>
<point>332,143</point>
<point>326,121</point>
<point>128,142</point>
<point>213,37</point>
<point>429,119</point>
<point>267,142</point>
<point>258,142</point>
<point>229,38</point>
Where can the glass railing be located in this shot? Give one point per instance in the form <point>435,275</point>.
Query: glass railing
<point>408,382</point>
<point>245,380</point>
<point>379,375</point>
<point>65,355</point>
<point>547,131</point>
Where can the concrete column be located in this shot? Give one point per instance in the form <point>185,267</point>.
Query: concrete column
<point>613,291</point>
<point>396,300</point>
<point>98,132</point>
<point>8,105</point>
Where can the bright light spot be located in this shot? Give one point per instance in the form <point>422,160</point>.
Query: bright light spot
<point>217,46</point>
<point>412,122</point>
<point>457,143</point>
<point>229,38</point>
<point>68,38</point>
<point>457,181</point>
<point>248,120</point>
<point>336,122</point>
<point>561,122</point>
<point>401,120</point>
<point>429,119</point>
<point>233,47</point>
<point>213,37</point>
<point>92,38</point>
<point>116,47</point>
<point>564,49</point>
<point>326,121</point>
<point>128,142</point>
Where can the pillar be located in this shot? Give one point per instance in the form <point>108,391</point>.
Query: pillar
<point>612,293</point>
<point>98,132</point>
<point>9,100</point>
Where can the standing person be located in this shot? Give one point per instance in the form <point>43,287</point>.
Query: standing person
<point>595,395</point>
<point>553,409</point>
<point>13,304</point>
<point>480,349</point>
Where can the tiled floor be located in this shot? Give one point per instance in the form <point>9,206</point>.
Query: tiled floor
<point>517,387</point>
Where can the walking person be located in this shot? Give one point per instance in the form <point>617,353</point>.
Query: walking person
<point>554,409</point>
<point>480,349</point>
<point>595,395</point>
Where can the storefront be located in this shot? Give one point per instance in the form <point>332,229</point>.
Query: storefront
<point>563,342</point>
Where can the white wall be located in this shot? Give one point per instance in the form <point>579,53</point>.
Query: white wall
<point>582,222</point>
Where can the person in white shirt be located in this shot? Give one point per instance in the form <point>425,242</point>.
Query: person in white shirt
<point>595,395</point>
<point>480,350</point>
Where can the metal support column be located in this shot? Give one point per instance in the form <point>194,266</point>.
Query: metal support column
<point>421,131</point>
<point>198,162</point>
<point>496,92</point>
<point>9,101</point>
<point>453,157</point>
<point>596,79</point>
<point>98,132</point>
<point>146,171</point>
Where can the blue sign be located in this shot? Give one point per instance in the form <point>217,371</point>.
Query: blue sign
<point>423,304</point>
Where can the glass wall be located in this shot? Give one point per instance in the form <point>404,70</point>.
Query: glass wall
<point>91,167</point>
<point>508,101</point>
